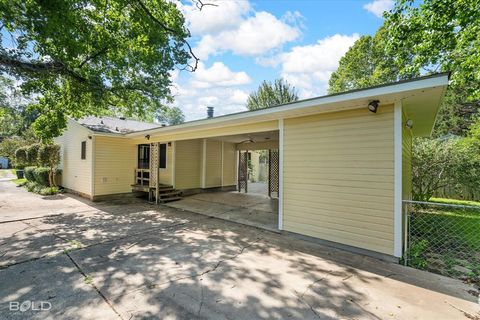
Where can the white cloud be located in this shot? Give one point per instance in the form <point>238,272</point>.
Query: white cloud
<point>218,75</point>
<point>309,67</point>
<point>225,101</point>
<point>214,19</point>
<point>241,32</point>
<point>378,7</point>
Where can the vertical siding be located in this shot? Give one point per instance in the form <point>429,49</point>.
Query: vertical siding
<point>406,161</point>
<point>115,163</point>
<point>166,174</point>
<point>188,165</point>
<point>213,159</point>
<point>229,164</point>
<point>77,173</point>
<point>338,177</point>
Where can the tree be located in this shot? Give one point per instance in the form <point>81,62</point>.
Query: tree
<point>365,64</point>
<point>49,155</point>
<point>272,94</point>
<point>432,164</point>
<point>171,116</point>
<point>92,57</point>
<point>437,35</point>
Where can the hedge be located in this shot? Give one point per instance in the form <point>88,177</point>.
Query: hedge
<point>40,175</point>
<point>28,171</point>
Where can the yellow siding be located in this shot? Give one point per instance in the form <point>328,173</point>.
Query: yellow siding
<point>229,164</point>
<point>213,177</point>
<point>187,165</point>
<point>77,173</point>
<point>115,163</point>
<point>166,174</point>
<point>406,162</point>
<point>338,177</point>
<point>213,132</point>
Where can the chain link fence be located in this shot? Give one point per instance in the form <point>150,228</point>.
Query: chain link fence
<point>443,238</point>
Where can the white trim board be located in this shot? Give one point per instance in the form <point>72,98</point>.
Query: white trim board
<point>397,189</point>
<point>280,174</point>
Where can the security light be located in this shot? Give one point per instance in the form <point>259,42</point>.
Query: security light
<point>409,124</point>
<point>373,106</point>
<point>147,137</point>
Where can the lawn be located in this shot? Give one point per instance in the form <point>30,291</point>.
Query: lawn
<point>446,239</point>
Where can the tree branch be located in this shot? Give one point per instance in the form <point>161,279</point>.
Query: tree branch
<point>199,4</point>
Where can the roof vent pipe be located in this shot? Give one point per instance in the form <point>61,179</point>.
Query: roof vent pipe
<point>209,112</point>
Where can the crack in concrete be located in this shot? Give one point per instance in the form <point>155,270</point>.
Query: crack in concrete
<point>85,276</point>
<point>214,268</point>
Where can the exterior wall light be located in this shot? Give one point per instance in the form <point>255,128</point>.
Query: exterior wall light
<point>373,106</point>
<point>147,137</point>
<point>409,124</point>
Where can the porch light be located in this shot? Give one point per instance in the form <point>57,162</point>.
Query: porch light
<point>147,137</point>
<point>373,106</point>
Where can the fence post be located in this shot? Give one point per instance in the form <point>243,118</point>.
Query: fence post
<point>405,234</point>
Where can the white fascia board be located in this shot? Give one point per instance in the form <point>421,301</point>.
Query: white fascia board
<point>396,88</point>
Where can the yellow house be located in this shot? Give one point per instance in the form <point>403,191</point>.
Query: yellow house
<point>343,159</point>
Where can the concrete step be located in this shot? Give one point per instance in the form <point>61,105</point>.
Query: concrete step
<point>164,200</point>
<point>170,194</point>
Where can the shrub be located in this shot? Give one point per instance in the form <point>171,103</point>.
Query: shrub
<point>41,175</point>
<point>48,191</point>
<point>21,159</point>
<point>32,186</point>
<point>28,171</point>
<point>49,154</point>
<point>32,154</point>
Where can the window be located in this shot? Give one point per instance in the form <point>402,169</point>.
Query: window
<point>84,150</point>
<point>143,156</point>
<point>163,156</point>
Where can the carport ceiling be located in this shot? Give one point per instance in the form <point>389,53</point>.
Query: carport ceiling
<point>256,137</point>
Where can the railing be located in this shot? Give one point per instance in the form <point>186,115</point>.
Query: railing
<point>443,238</point>
<point>142,177</point>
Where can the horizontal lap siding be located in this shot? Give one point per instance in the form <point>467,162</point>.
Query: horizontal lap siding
<point>77,173</point>
<point>115,163</point>
<point>213,159</point>
<point>188,155</point>
<point>338,177</point>
<point>229,164</point>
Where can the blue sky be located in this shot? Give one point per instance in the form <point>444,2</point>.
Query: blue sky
<point>242,43</point>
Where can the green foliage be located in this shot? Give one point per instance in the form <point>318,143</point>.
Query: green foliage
<point>171,116</point>
<point>49,155</point>
<point>49,191</point>
<point>432,164</point>
<point>32,153</point>
<point>272,94</point>
<point>21,158</point>
<point>416,254</point>
<point>437,35</point>
<point>365,64</point>
<point>41,175</point>
<point>93,57</point>
<point>29,173</point>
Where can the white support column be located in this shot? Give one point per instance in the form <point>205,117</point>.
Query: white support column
<point>204,162</point>
<point>222,161</point>
<point>174,160</point>
<point>397,202</point>
<point>280,175</point>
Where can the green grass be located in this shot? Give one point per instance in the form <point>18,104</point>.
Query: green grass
<point>19,181</point>
<point>456,202</point>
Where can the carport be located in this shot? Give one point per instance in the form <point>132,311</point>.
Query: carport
<point>250,200</point>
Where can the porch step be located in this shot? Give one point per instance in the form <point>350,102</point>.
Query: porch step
<point>165,200</point>
<point>173,193</point>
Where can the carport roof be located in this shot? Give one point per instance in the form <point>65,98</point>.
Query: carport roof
<point>420,97</point>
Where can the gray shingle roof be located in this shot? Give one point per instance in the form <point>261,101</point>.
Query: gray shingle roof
<point>115,125</point>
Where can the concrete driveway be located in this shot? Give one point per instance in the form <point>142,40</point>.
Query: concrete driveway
<point>129,260</point>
